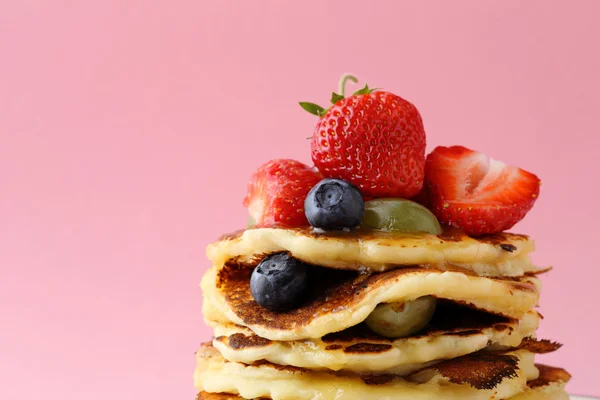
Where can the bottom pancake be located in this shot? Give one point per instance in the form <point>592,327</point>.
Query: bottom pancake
<point>454,331</point>
<point>483,375</point>
<point>549,386</point>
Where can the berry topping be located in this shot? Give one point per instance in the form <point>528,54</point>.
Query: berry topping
<point>480,195</point>
<point>276,193</point>
<point>279,282</point>
<point>399,215</point>
<point>373,139</point>
<point>394,320</point>
<point>334,204</point>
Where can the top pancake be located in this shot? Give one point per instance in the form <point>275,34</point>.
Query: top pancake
<point>503,254</point>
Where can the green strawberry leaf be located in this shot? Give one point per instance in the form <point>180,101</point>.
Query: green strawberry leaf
<point>364,90</point>
<point>312,108</point>
<point>336,97</point>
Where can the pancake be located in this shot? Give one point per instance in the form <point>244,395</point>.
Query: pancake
<point>482,375</point>
<point>341,299</point>
<point>549,386</point>
<point>454,331</point>
<point>503,254</point>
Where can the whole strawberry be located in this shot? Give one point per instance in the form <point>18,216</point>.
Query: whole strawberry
<point>373,139</point>
<point>276,193</point>
<point>468,190</point>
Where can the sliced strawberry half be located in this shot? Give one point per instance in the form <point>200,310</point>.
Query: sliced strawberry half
<point>276,193</point>
<point>482,196</point>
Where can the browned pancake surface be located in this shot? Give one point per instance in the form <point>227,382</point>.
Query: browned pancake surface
<point>450,319</point>
<point>482,370</point>
<point>548,375</point>
<point>539,346</point>
<point>505,242</point>
<point>331,291</point>
<point>448,235</point>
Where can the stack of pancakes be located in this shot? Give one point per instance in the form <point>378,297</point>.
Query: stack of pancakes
<point>480,343</point>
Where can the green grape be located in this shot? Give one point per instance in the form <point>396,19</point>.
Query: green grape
<point>400,215</point>
<point>396,320</point>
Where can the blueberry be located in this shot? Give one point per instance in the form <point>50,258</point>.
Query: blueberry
<point>334,204</point>
<point>279,282</point>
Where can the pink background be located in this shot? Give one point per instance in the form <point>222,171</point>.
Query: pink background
<point>129,129</point>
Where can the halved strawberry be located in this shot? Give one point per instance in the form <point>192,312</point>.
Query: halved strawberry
<point>482,196</point>
<point>276,193</point>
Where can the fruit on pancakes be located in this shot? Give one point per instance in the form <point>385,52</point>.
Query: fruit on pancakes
<point>279,282</point>
<point>477,194</point>
<point>399,215</point>
<point>396,320</point>
<point>374,139</point>
<point>276,193</point>
<point>345,285</point>
<point>334,204</point>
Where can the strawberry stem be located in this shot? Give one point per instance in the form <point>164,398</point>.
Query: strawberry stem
<point>342,84</point>
<point>319,111</point>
